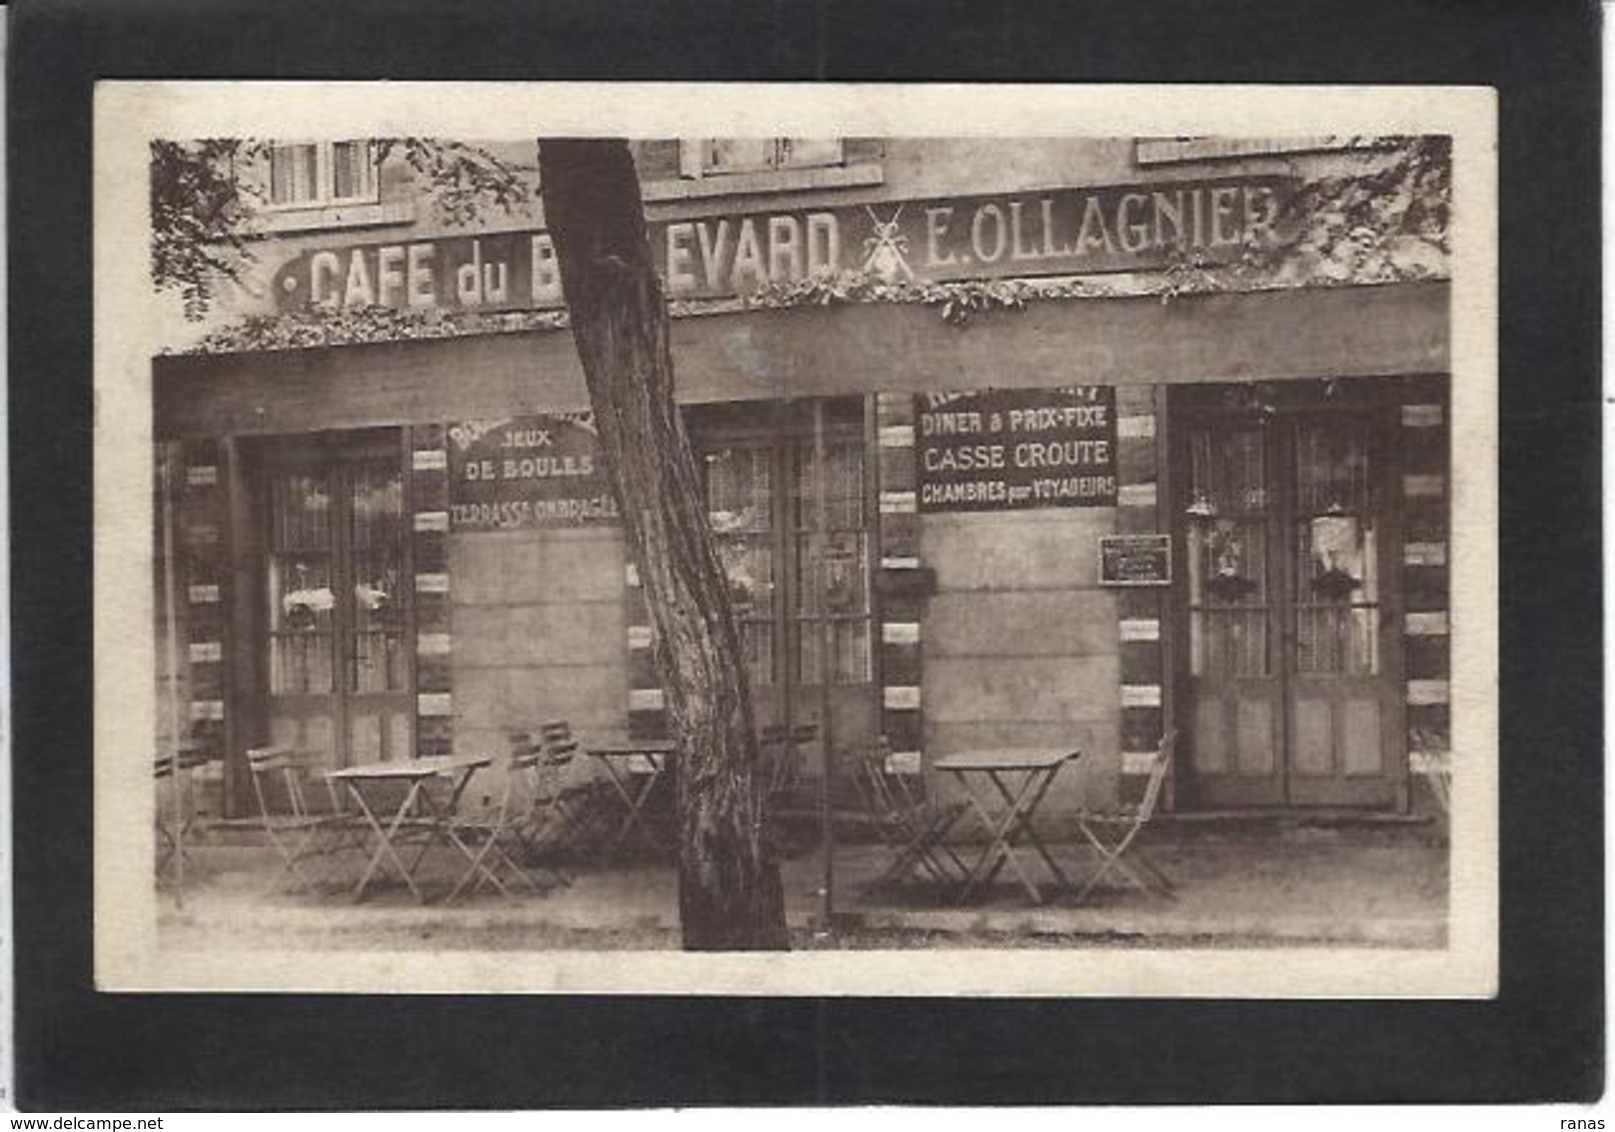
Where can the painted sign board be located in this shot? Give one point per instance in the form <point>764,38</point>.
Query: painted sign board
<point>1135,560</point>
<point>1015,449</point>
<point>526,472</point>
<point>1064,231</point>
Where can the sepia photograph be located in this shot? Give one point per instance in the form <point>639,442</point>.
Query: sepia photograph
<point>993,541</point>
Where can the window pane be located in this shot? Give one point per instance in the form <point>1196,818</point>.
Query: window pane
<point>757,643</point>
<point>1337,620</point>
<point>293,174</point>
<point>850,659</point>
<point>376,504</point>
<point>301,601</point>
<point>843,488</point>
<point>726,155</point>
<point>740,507</point>
<point>833,580</point>
<point>351,170</point>
<point>1229,599</point>
<point>840,573</point>
<point>810,151</point>
<point>740,487</point>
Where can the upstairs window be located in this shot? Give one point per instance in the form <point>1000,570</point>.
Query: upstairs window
<point>1160,151</point>
<point>313,174</point>
<point>709,157</point>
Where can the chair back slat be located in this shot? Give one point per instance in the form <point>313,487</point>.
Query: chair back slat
<point>887,792</point>
<point>188,755</point>
<point>1114,835</point>
<point>778,748</point>
<point>1160,763</point>
<point>525,751</point>
<point>913,828</point>
<point>290,769</point>
<point>557,742</point>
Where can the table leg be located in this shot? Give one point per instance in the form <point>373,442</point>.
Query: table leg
<point>1023,817</point>
<point>442,829</point>
<point>635,808</point>
<point>440,816</point>
<point>1016,803</point>
<point>1020,804</point>
<point>996,851</point>
<point>922,846</point>
<point>385,835</point>
<point>615,777</point>
<point>633,801</point>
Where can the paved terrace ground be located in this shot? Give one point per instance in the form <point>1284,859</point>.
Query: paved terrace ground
<point>1241,884</point>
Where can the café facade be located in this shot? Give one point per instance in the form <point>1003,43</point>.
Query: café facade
<point>1092,468</point>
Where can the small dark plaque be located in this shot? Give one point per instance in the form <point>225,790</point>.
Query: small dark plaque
<point>1135,560</point>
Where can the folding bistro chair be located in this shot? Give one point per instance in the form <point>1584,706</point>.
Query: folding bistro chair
<point>559,809</point>
<point>1438,772</point>
<point>1114,832</point>
<point>174,826</point>
<point>299,831</point>
<point>905,819</point>
<point>779,751</point>
<point>495,832</point>
<point>780,747</point>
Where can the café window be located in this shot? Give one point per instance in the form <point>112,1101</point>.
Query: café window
<point>312,174</point>
<point>712,157</point>
<point>791,587</point>
<point>336,580</point>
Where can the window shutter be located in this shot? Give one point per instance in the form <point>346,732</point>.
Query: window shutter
<point>659,159</point>
<point>690,162</point>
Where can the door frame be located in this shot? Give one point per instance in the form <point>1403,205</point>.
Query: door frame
<point>259,458</point>
<point>779,426</point>
<point>1288,402</point>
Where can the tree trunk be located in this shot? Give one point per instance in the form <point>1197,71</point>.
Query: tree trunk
<point>729,885</point>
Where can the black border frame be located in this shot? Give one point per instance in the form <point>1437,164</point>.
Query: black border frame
<point>1542,1039</point>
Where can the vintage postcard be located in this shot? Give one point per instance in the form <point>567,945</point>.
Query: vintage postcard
<point>835,539</point>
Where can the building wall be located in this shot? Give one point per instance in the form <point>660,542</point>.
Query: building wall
<point>514,629</point>
<point>189,670</point>
<point>539,634</point>
<point>919,168</point>
<point>1427,582</point>
<point>1019,641</point>
<point>1017,644</point>
<point>874,170</point>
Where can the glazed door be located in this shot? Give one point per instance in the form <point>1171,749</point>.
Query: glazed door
<point>336,591</point>
<point>1292,648</point>
<point>761,500</point>
<point>1235,611</point>
<point>1346,735</point>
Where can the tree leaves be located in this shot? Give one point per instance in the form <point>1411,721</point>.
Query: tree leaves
<point>200,218</point>
<point>1384,217</point>
<point>205,199</point>
<point>463,180</point>
<point>351,326</point>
